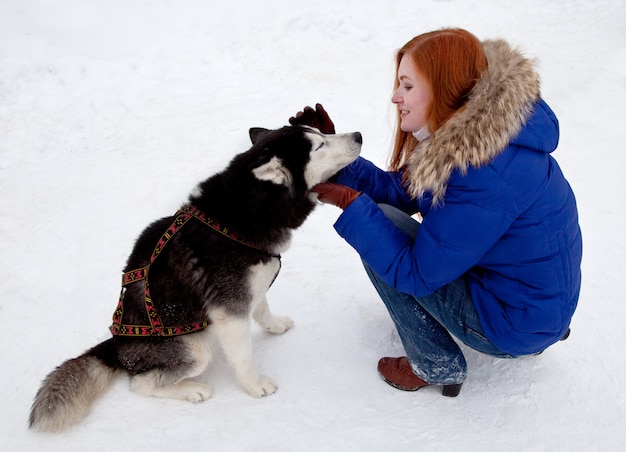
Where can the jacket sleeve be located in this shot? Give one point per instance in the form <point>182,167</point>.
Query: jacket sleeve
<point>450,241</point>
<point>381,186</point>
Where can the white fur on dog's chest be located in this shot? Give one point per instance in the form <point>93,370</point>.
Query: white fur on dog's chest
<point>261,276</point>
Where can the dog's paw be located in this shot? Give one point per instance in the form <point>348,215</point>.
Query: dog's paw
<point>188,390</point>
<point>263,386</point>
<point>279,324</point>
<point>196,392</point>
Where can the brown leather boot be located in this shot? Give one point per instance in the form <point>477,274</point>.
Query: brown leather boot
<point>398,373</point>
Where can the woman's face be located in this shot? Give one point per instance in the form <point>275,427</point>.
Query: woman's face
<point>413,96</point>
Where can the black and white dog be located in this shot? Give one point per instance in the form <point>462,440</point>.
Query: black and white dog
<point>204,270</point>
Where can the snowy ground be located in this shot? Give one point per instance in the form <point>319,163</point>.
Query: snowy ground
<point>112,110</point>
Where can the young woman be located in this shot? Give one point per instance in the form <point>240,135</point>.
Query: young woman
<point>496,259</point>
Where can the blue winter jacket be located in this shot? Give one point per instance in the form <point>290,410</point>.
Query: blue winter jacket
<point>509,224</point>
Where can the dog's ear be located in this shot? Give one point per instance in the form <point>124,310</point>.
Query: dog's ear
<point>256,133</point>
<point>274,171</point>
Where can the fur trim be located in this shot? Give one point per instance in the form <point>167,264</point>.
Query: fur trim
<point>498,106</point>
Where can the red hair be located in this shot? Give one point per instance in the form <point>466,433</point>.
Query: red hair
<point>452,60</point>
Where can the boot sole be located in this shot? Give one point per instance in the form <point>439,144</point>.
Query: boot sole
<point>447,390</point>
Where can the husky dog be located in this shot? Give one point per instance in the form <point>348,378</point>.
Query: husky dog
<point>205,269</point>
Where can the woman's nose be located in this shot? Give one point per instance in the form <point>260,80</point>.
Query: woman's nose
<point>396,98</point>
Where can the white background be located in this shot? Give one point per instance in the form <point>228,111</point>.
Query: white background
<point>112,110</point>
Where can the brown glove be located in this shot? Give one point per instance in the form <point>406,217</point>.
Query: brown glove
<point>336,194</point>
<point>317,118</point>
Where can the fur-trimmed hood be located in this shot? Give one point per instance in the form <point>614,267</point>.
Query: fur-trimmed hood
<point>498,107</point>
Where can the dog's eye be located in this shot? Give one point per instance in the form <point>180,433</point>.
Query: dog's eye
<point>321,145</point>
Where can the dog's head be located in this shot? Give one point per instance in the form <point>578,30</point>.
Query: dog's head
<point>267,188</point>
<point>300,157</point>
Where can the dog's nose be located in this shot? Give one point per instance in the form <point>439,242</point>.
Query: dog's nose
<point>358,137</point>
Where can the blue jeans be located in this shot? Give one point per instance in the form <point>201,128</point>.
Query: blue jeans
<point>426,324</point>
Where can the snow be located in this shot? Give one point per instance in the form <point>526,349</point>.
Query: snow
<point>110,113</point>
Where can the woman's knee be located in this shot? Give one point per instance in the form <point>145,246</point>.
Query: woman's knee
<point>402,220</point>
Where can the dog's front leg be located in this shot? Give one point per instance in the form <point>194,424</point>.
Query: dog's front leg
<point>233,333</point>
<point>275,324</point>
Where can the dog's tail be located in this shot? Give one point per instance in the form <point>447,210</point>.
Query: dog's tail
<point>67,392</point>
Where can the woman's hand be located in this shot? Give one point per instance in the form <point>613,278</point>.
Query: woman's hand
<point>317,118</point>
<point>335,194</point>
